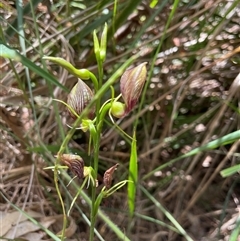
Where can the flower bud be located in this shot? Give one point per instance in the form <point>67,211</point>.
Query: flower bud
<point>75,164</point>
<point>103,44</point>
<point>131,85</point>
<point>96,44</point>
<point>108,176</point>
<point>79,97</point>
<point>118,109</point>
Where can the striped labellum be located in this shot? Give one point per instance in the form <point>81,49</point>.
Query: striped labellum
<point>78,99</point>
<point>75,163</point>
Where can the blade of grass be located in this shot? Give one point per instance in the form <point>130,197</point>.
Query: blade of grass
<point>225,207</point>
<point>225,140</point>
<point>230,171</point>
<point>130,7</point>
<point>236,231</point>
<point>10,53</point>
<point>156,221</point>
<point>167,214</point>
<point>133,176</point>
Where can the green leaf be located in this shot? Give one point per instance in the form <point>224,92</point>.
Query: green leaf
<point>236,231</point>
<point>222,141</point>
<point>78,5</point>
<point>98,202</point>
<point>11,53</point>
<point>153,3</point>
<point>230,171</point>
<point>133,176</point>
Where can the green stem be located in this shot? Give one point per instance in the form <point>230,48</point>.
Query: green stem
<point>94,80</point>
<point>96,152</point>
<point>61,201</point>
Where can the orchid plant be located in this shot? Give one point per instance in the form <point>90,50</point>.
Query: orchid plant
<point>91,119</point>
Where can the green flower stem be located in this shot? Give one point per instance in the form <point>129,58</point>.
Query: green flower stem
<point>96,203</point>
<point>61,200</point>
<point>94,80</point>
<point>76,196</point>
<point>96,150</point>
<point>61,151</point>
<point>104,111</point>
<point>99,124</point>
<point>83,74</point>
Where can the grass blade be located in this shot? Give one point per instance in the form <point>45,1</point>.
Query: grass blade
<point>133,176</point>
<point>167,214</point>
<point>10,53</point>
<point>230,171</point>
<point>222,141</point>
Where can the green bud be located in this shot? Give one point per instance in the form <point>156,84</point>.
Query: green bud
<point>103,45</point>
<point>96,44</point>
<point>83,74</point>
<point>118,109</point>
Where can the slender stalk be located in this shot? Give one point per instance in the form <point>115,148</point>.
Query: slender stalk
<point>96,152</point>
